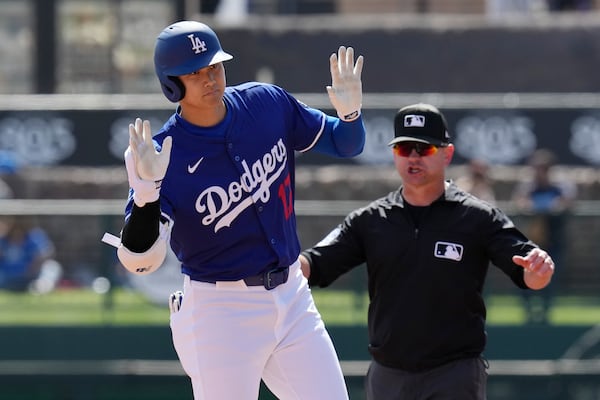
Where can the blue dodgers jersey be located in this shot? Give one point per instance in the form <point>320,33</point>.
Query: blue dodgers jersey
<point>229,189</point>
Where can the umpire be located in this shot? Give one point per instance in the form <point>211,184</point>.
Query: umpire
<point>427,247</point>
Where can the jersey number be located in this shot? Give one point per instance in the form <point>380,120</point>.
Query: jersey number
<point>285,194</point>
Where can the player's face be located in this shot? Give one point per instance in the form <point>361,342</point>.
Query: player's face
<point>420,165</point>
<point>205,87</point>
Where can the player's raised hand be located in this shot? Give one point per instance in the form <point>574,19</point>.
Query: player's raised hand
<point>539,267</point>
<point>150,164</point>
<point>345,92</point>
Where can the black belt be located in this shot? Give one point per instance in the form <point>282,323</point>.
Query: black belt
<point>269,279</point>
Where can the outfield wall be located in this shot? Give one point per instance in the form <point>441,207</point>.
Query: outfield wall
<point>113,363</point>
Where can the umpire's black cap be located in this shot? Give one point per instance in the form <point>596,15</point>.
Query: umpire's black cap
<point>420,123</point>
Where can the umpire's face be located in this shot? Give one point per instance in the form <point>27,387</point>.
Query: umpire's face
<point>205,87</point>
<point>419,171</point>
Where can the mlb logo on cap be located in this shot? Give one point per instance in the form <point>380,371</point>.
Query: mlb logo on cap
<point>414,121</point>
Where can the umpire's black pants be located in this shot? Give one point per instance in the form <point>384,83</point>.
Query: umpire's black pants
<point>457,380</point>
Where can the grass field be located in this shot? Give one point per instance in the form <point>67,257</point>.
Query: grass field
<point>127,307</point>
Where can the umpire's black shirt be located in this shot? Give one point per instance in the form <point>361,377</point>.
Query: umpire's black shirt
<point>426,277</point>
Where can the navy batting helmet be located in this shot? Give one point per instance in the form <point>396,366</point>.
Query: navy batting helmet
<point>182,48</point>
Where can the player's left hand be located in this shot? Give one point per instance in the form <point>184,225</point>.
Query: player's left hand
<point>345,92</point>
<point>537,261</point>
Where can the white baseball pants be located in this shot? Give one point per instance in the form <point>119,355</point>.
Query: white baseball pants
<point>228,336</point>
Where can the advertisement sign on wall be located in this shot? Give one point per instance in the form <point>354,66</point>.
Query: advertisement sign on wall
<point>498,136</point>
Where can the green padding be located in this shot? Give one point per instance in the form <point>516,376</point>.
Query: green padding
<point>154,343</point>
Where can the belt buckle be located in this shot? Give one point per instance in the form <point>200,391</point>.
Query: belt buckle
<point>268,280</point>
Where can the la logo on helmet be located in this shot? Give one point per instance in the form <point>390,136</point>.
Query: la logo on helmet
<point>197,45</point>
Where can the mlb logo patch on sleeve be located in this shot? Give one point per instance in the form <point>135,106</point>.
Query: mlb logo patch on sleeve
<point>449,251</point>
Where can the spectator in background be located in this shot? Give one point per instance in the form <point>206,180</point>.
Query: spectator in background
<point>26,257</point>
<point>477,181</point>
<point>8,166</point>
<point>546,202</point>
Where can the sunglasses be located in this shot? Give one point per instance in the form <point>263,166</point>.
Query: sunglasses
<point>405,149</point>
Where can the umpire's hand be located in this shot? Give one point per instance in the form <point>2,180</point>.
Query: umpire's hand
<point>539,268</point>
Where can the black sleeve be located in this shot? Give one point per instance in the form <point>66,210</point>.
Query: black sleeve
<point>339,252</point>
<point>142,227</point>
<point>505,241</point>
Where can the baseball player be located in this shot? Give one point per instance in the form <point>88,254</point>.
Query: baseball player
<point>217,182</point>
<point>427,247</point>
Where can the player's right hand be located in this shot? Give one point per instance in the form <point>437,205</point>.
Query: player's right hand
<point>150,164</point>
